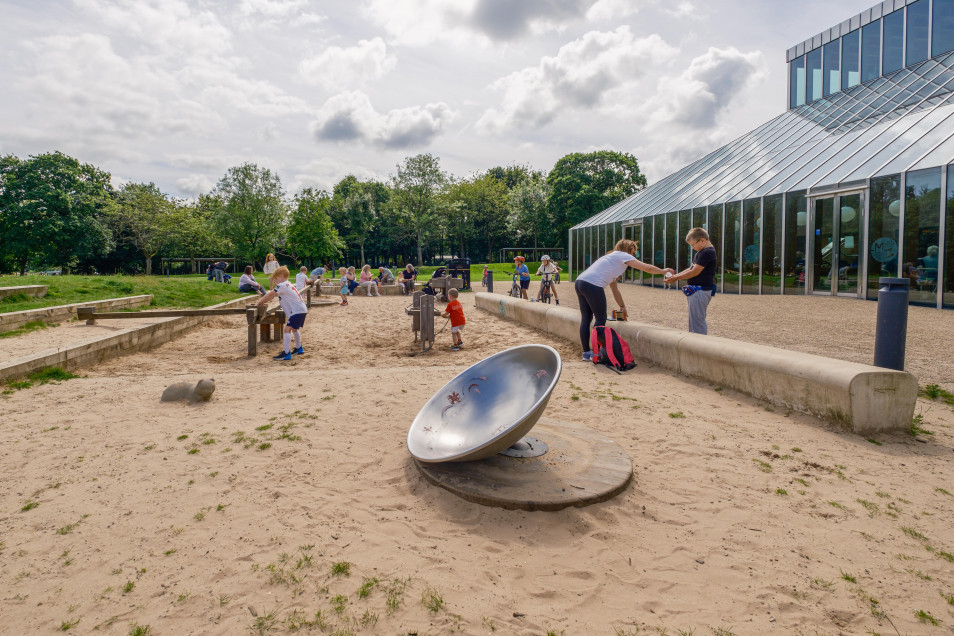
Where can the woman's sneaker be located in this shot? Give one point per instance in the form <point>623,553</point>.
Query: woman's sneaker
<point>587,356</point>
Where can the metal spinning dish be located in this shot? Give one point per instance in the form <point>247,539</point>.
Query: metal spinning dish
<point>487,408</point>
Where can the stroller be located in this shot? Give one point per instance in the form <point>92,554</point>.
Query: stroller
<point>428,289</point>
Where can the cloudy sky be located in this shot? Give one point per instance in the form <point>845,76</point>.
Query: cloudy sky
<point>177,91</point>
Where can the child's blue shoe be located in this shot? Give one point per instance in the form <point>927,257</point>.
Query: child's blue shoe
<point>284,355</point>
<point>299,351</point>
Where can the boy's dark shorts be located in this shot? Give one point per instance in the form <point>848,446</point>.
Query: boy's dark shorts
<point>525,284</point>
<point>295,321</point>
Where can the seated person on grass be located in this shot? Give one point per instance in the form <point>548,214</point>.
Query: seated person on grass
<point>248,284</point>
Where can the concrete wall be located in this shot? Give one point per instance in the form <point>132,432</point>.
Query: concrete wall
<point>385,290</point>
<point>130,340</point>
<point>33,291</point>
<point>63,313</point>
<point>859,397</point>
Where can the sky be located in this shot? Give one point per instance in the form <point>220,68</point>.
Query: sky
<point>176,92</point>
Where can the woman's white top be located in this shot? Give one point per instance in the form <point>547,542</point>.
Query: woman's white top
<point>606,269</point>
<point>270,267</point>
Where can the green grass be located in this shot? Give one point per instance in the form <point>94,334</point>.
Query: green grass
<point>172,291</point>
<point>924,617</point>
<point>40,376</point>
<point>33,325</point>
<point>499,269</point>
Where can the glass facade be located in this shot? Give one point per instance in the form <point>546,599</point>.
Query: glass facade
<point>843,188</point>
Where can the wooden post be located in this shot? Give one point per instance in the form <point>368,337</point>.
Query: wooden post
<point>266,332</point>
<point>308,294</point>
<point>416,318</point>
<point>87,313</point>
<point>279,324</point>
<point>250,313</point>
<point>427,322</point>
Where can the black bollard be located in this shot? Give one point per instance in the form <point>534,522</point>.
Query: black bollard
<point>892,326</point>
<point>490,281</point>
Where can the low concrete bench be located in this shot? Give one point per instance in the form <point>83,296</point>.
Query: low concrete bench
<point>62,313</point>
<point>862,398</point>
<point>31,291</point>
<point>384,290</point>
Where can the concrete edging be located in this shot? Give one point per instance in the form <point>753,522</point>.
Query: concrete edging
<point>31,291</point>
<point>862,398</point>
<point>95,350</point>
<point>61,313</point>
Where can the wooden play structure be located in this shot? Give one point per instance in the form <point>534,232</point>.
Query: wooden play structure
<point>422,314</point>
<point>444,283</point>
<point>263,324</point>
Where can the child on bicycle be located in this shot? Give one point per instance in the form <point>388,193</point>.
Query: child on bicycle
<point>546,270</point>
<point>524,273</point>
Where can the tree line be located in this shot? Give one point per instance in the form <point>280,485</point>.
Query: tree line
<point>56,212</point>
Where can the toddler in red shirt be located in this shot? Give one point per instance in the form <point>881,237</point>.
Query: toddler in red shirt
<point>455,311</point>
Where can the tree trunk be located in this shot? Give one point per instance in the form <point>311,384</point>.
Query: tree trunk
<point>148,266</point>
<point>362,254</point>
<point>420,256</point>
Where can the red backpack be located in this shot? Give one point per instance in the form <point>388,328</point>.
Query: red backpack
<point>611,350</point>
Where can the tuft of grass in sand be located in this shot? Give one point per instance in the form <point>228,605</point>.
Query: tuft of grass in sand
<point>30,505</point>
<point>677,415</point>
<point>848,577</point>
<point>432,600</point>
<point>368,584</point>
<point>394,594</point>
<point>765,467</point>
<point>40,376</point>
<point>139,630</point>
<point>917,427</point>
<point>925,617</point>
<point>66,626</point>
<point>341,568</point>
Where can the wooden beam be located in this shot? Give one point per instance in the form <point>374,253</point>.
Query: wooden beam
<point>161,313</point>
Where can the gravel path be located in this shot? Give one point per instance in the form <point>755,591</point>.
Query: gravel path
<point>842,328</point>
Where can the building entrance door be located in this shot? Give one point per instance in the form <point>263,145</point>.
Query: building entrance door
<point>835,242</point>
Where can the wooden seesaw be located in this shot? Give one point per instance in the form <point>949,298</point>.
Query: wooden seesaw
<point>263,324</point>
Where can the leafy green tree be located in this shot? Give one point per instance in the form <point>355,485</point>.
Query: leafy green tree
<point>52,210</point>
<point>582,185</point>
<point>529,218</point>
<point>145,218</point>
<point>311,233</point>
<point>481,210</point>
<point>416,191</point>
<point>252,213</point>
<point>194,229</point>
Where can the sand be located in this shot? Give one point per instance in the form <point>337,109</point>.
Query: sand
<point>740,518</point>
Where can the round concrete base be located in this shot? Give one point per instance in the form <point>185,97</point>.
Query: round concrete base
<point>581,468</point>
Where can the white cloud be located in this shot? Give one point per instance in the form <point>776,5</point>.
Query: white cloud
<point>195,184</point>
<point>324,173</point>
<point>684,9</point>
<point>583,75</point>
<point>612,9</point>
<point>350,117</point>
<point>351,67</point>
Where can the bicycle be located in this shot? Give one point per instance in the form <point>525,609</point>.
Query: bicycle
<point>515,288</point>
<point>546,285</point>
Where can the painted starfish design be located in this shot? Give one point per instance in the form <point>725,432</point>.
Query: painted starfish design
<point>454,397</point>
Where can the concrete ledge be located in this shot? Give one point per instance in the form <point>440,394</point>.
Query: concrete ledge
<point>33,291</point>
<point>95,350</point>
<point>62,313</point>
<point>385,290</point>
<point>863,399</point>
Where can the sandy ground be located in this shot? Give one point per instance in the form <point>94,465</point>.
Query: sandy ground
<point>63,335</point>
<point>237,516</point>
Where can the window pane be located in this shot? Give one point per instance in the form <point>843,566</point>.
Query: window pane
<point>699,218</point>
<point>832,75</point>
<point>797,70</point>
<point>730,248</point>
<point>883,232</point>
<point>871,51</point>
<point>942,35</point>
<point>849,60</point>
<point>751,252</point>
<point>922,234</point>
<point>685,221</point>
<point>671,237</point>
<point>772,245</point>
<point>715,237</point>
<point>948,297</point>
<point>814,74</point>
<point>659,246</point>
<point>893,55</point>
<point>796,218</point>
<point>917,40</point>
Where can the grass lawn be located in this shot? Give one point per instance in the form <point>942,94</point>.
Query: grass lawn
<point>172,291</point>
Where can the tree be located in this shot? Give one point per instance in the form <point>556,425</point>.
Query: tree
<point>583,184</point>
<point>194,233</point>
<point>52,210</point>
<point>415,194</point>
<point>253,213</point>
<point>145,218</point>
<point>529,217</point>
<point>481,210</point>
<point>311,233</point>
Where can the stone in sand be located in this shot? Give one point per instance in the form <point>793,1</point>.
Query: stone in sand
<point>201,392</point>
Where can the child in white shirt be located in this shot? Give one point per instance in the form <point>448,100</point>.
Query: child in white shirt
<point>293,306</point>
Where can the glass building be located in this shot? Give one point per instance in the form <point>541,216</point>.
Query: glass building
<point>853,182</point>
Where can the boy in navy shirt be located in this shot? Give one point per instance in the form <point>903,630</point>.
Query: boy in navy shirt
<point>701,279</point>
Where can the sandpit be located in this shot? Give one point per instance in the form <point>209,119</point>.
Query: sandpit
<point>292,492</point>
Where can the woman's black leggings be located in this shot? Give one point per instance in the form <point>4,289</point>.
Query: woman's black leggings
<point>592,301</point>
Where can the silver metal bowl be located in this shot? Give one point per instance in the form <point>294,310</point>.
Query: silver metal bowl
<point>487,408</point>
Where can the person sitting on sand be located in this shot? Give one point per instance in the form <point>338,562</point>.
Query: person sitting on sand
<point>368,281</point>
<point>293,306</point>
<point>408,275</point>
<point>248,284</point>
<point>455,311</point>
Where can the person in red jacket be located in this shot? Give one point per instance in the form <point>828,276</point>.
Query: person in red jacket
<point>455,311</point>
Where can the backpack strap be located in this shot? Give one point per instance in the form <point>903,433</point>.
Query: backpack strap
<point>595,344</point>
<point>610,346</point>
